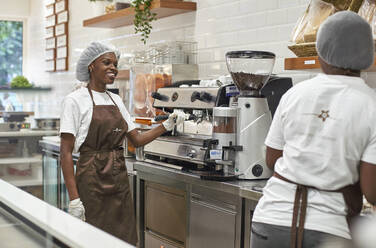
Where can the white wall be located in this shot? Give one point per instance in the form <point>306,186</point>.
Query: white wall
<point>217,25</point>
<point>15,8</point>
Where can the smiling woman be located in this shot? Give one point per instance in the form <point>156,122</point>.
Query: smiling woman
<point>95,122</point>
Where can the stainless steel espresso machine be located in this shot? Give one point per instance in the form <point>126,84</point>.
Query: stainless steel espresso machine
<point>224,136</point>
<point>188,145</point>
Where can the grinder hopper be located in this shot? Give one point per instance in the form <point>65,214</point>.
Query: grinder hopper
<point>250,70</point>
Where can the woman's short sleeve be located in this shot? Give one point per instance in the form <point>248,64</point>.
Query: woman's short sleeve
<point>70,117</point>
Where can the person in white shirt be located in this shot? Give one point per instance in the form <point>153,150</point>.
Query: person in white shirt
<point>322,145</point>
<point>95,122</point>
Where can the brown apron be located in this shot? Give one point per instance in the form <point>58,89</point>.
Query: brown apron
<point>352,195</point>
<point>101,176</point>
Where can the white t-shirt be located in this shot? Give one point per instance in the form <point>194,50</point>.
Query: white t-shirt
<point>324,126</point>
<point>77,112</point>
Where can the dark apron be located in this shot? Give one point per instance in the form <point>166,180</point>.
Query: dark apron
<point>101,176</point>
<point>352,195</point>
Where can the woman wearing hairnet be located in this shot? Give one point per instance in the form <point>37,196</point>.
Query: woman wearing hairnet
<point>95,122</point>
<point>322,145</point>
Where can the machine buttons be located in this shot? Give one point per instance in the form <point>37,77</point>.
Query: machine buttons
<point>159,96</point>
<point>192,153</point>
<point>195,95</point>
<point>247,105</point>
<point>12,126</point>
<point>206,97</point>
<point>257,170</point>
<point>174,96</point>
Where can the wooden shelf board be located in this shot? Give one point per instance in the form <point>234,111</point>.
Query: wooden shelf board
<point>123,74</point>
<point>124,17</point>
<point>306,63</point>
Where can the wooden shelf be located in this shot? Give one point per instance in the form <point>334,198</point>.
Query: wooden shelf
<point>123,74</point>
<point>306,63</point>
<point>124,17</point>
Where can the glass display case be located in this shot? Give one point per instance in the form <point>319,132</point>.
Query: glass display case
<point>21,158</point>
<point>55,191</point>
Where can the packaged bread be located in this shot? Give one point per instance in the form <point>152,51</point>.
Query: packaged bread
<point>145,84</point>
<point>306,28</point>
<point>367,10</point>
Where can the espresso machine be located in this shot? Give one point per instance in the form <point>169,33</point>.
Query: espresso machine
<point>250,70</point>
<point>224,136</point>
<point>187,146</point>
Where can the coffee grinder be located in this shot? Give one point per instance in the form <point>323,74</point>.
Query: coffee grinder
<point>250,70</point>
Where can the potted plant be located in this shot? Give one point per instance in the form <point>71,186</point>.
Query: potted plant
<point>143,17</point>
<point>20,82</point>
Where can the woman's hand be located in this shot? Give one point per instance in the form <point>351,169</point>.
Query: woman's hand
<point>176,118</point>
<point>76,209</point>
<point>140,139</point>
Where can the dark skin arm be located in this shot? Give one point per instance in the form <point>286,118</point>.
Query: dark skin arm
<point>367,181</point>
<point>140,139</point>
<point>271,156</point>
<point>66,161</point>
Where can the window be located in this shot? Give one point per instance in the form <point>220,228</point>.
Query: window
<point>11,47</point>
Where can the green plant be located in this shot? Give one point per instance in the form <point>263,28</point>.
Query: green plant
<point>20,82</point>
<point>143,18</point>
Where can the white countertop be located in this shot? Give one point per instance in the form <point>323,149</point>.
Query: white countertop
<point>61,225</point>
<point>28,133</point>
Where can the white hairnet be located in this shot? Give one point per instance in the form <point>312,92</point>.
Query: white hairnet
<point>345,40</point>
<point>91,53</point>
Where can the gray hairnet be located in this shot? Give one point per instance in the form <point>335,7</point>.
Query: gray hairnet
<point>345,40</point>
<point>91,53</point>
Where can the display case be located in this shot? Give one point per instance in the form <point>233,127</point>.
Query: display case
<point>21,159</point>
<point>54,189</point>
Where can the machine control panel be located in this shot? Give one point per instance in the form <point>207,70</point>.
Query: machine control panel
<point>186,97</point>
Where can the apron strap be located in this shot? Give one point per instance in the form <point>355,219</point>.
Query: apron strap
<point>92,98</point>
<point>91,95</point>
<point>352,195</point>
<point>300,209</point>
<point>112,99</point>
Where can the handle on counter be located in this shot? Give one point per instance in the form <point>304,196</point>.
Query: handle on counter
<point>161,117</point>
<point>165,117</point>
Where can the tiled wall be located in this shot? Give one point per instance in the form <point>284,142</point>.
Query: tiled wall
<point>217,25</point>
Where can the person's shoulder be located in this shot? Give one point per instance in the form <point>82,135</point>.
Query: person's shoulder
<point>299,88</point>
<point>77,95</point>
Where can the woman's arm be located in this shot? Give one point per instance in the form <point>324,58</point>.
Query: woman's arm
<point>140,139</point>
<point>271,156</point>
<point>66,160</point>
<point>367,181</point>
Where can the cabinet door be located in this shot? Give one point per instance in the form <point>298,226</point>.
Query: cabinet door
<point>165,211</point>
<point>211,225</point>
<point>50,178</point>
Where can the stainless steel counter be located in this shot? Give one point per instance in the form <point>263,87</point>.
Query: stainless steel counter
<point>178,209</point>
<point>249,189</point>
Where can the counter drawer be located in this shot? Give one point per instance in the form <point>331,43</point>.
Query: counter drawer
<point>154,241</point>
<point>165,211</point>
